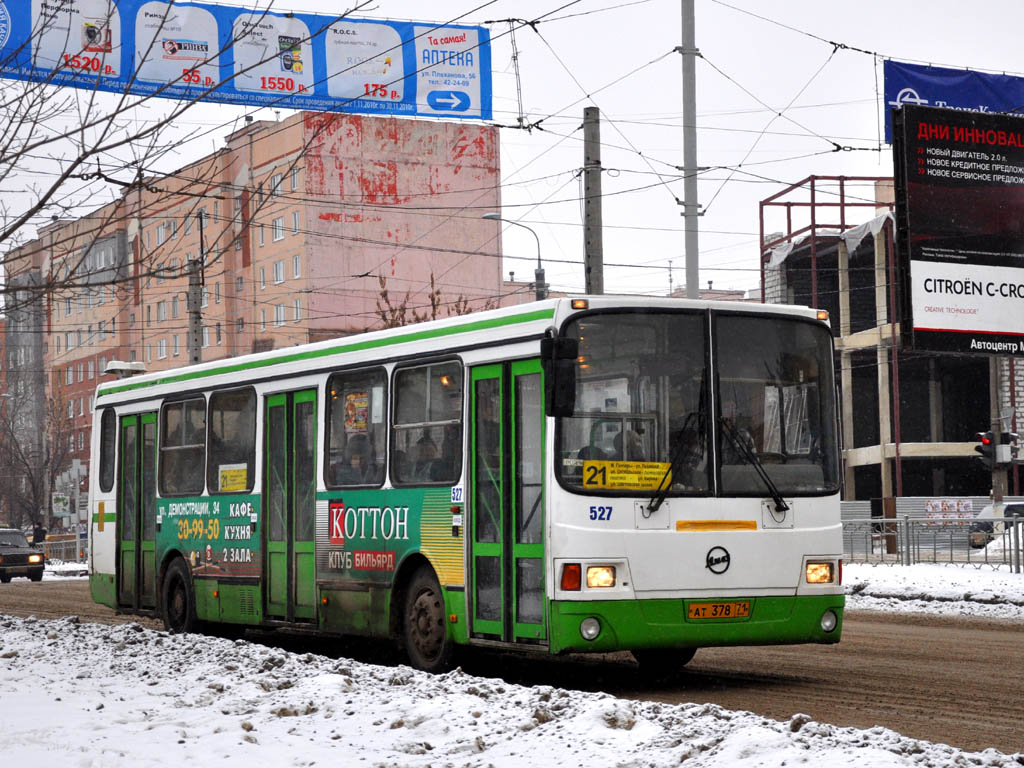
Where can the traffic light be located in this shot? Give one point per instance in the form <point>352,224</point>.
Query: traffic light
<point>986,448</point>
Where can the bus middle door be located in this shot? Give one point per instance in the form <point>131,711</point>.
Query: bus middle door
<point>507,503</point>
<point>136,505</point>
<point>290,502</point>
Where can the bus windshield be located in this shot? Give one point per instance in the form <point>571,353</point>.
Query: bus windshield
<point>641,395</point>
<point>644,416</point>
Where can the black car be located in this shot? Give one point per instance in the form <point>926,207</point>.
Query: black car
<point>18,558</point>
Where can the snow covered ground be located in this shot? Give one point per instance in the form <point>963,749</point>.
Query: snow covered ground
<point>937,589</point>
<point>94,695</point>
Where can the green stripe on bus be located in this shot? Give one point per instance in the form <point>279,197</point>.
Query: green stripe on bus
<point>479,325</point>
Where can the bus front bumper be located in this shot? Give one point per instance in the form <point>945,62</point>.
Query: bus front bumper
<point>639,624</point>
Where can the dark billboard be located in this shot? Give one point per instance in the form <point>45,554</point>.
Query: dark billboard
<point>960,229</point>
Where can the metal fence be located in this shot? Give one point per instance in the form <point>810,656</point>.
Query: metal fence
<point>71,550</point>
<point>963,540</point>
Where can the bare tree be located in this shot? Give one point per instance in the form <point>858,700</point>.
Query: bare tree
<point>394,315</point>
<point>32,458</point>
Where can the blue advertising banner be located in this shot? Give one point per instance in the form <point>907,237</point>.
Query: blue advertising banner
<point>243,56</point>
<point>950,88</point>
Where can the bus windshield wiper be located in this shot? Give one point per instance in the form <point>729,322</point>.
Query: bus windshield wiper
<point>661,492</point>
<point>751,458</point>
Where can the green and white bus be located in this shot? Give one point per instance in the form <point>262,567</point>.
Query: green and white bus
<point>575,475</point>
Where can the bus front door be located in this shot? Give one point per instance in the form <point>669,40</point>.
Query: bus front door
<point>506,515</point>
<point>289,497</point>
<point>136,513</point>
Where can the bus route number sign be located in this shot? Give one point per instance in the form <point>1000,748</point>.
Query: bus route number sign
<point>624,475</point>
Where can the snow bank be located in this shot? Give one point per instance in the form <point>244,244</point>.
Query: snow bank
<point>90,695</point>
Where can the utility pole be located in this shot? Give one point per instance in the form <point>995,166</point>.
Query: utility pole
<point>690,206</point>
<point>593,247</point>
<point>998,470</point>
<point>194,299</point>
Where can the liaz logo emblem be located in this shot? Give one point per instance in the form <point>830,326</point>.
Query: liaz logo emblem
<point>717,560</point>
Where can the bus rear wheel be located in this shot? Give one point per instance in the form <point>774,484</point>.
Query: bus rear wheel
<point>179,599</point>
<point>663,663</point>
<point>424,626</point>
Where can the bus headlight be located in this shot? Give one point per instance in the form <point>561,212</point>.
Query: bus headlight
<point>819,573</point>
<point>35,558</point>
<point>600,576</point>
<point>829,621</point>
<point>590,628</point>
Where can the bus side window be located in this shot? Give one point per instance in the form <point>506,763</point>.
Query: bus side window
<point>356,428</point>
<point>427,437</point>
<point>183,447</point>
<point>232,441</point>
<point>108,445</point>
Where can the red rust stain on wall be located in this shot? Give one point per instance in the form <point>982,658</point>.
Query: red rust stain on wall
<point>379,183</point>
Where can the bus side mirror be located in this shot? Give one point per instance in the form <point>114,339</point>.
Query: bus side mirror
<point>558,358</point>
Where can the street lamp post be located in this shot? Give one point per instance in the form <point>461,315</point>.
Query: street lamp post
<point>538,274</point>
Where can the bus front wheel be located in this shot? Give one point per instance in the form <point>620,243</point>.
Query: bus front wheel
<point>425,629</point>
<point>179,599</point>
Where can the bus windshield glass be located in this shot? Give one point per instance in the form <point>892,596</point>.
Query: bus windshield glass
<point>644,418</point>
<point>776,405</point>
<point>641,394</point>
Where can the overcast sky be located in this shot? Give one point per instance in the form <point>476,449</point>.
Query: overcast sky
<point>753,68</point>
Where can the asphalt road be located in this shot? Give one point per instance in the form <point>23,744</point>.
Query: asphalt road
<point>958,681</point>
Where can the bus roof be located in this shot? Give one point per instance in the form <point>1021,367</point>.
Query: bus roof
<point>512,323</point>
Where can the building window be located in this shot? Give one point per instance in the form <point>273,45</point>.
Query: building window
<point>174,344</point>
<point>69,340</point>
<point>216,293</point>
<point>278,228</point>
<point>263,319</point>
<point>149,315</point>
<point>57,342</point>
<point>295,179</point>
<point>67,306</point>
<point>81,410</point>
<point>260,237</point>
<point>239,285</point>
<point>295,222</point>
<point>206,336</point>
<point>92,369</point>
<point>161,349</point>
<point>204,296</point>
<point>275,185</point>
<point>71,443</point>
<point>240,324</point>
<point>149,353</point>
<point>71,411</point>
<point>218,333</point>
<point>161,311</point>
<point>297,310</point>
<point>91,400</point>
<point>188,224</point>
<point>279,314</point>
<point>81,372</point>
<point>296,265</point>
<point>174,306</point>
<point>103,364</point>
<point>69,375</point>
<point>278,272</point>
<point>160,234</point>
<point>263,278</point>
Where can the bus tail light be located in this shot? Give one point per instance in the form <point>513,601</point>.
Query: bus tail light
<point>571,577</point>
<point>820,572</point>
<point>600,576</point>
